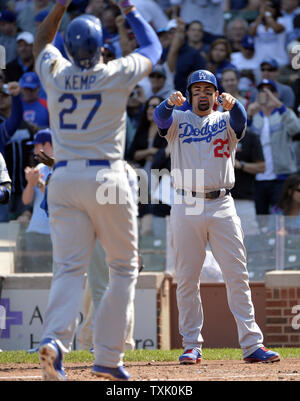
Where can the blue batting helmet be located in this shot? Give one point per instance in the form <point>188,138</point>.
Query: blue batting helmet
<point>92,18</point>
<point>84,40</point>
<point>200,76</point>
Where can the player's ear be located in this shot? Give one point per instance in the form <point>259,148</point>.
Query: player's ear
<point>102,54</point>
<point>216,95</point>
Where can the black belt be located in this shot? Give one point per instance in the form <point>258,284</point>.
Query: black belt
<point>207,195</point>
<point>93,162</point>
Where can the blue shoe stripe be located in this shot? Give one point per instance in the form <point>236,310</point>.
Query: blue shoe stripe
<point>118,373</point>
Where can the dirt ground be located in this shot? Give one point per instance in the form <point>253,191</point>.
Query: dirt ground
<point>285,370</point>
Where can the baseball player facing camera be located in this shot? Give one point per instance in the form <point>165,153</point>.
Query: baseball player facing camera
<point>87,106</point>
<point>201,139</point>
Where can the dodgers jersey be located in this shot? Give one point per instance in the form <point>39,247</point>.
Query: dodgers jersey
<point>4,176</point>
<point>87,108</point>
<point>207,143</point>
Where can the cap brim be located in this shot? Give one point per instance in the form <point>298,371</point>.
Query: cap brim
<point>269,63</point>
<point>272,86</point>
<point>29,87</point>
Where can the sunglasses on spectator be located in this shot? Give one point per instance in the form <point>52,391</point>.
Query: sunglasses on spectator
<point>268,69</point>
<point>297,189</point>
<point>152,106</point>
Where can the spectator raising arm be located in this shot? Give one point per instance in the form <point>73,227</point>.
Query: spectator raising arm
<point>33,178</point>
<point>177,41</point>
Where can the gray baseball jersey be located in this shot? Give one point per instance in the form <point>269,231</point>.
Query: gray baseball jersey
<point>85,106</point>
<point>87,111</point>
<point>4,176</point>
<point>207,143</point>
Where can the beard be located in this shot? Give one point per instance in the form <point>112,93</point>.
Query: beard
<point>203,106</point>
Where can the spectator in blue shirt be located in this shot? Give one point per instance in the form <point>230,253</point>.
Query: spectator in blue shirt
<point>35,109</point>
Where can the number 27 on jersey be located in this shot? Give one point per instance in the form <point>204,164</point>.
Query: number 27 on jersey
<point>71,102</point>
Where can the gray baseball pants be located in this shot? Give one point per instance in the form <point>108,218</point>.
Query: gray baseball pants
<point>76,218</point>
<point>219,225</point>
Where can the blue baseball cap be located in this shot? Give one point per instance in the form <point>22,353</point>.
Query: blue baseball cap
<point>271,61</point>
<point>42,136</point>
<point>7,16</point>
<point>267,82</point>
<point>29,80</point>
<point>40,16</point>
<point>248,42</point>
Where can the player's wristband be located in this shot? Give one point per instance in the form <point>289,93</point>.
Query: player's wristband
<point>64,3</point>
<point>124,3</point>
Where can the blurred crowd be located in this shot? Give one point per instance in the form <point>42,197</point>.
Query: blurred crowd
<point>253,48</point>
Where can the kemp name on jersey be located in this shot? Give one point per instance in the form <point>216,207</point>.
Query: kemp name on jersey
<point>79,82</point>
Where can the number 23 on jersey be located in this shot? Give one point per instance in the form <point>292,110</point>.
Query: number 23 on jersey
<point>221,148</point>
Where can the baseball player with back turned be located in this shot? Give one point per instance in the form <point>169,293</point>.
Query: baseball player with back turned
<point>87,105</point>
<point>201,139</point>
